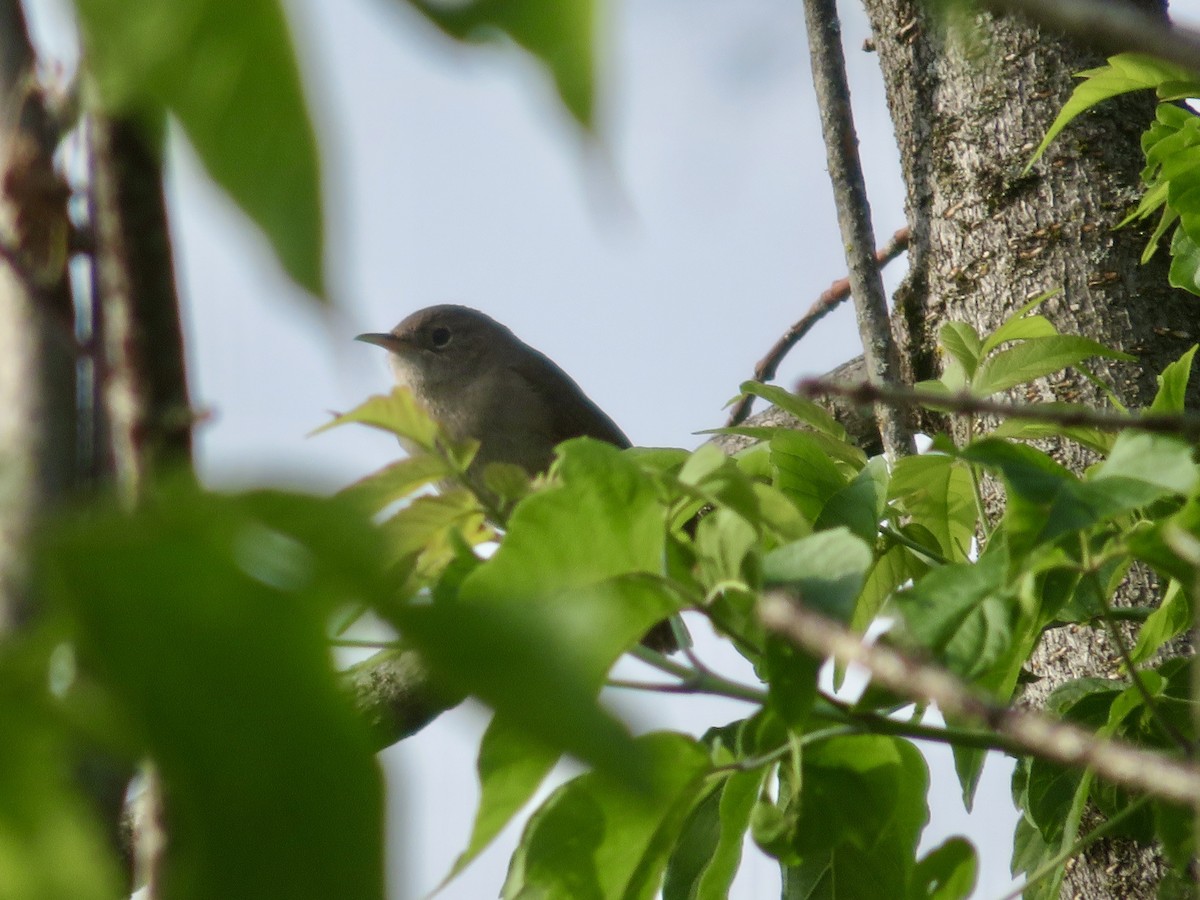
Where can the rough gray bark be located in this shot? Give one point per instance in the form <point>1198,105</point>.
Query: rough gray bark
<point>986,238</point>
<point>396,696</point>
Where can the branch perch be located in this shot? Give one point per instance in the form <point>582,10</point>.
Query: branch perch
<point>1185,425</point>
<point>1036,733</point>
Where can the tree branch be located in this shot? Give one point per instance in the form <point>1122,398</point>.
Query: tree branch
<point>854,212</point>
<point>396,696</point>
<point>1185,425</point>
<point>830,299</point>
<point>1036,733</point>
<point>142,372</point>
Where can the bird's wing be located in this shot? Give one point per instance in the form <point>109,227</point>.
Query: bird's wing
<point>573,413</point>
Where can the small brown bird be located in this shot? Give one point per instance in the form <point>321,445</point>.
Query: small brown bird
<point>479,380</point>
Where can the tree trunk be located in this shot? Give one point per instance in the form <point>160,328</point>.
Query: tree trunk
<point>968,112</point>
<point>38,448</point>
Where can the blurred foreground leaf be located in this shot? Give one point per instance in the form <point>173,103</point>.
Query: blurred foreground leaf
<point>226,70</point>
<point>204,616</point>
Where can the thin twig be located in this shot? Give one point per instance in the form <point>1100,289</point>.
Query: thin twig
<point>1185,425</point>
<point>876,723</point>
<point>854,213</point>
<point>702,681</point>
<point>1112,27</point>
<point>833,296</point>
<point>916,546</point>
<point>355,643</point>
<point>660,687</point>
<point>1036,733</point>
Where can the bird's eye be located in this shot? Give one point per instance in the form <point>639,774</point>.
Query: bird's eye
<point>440,336</point>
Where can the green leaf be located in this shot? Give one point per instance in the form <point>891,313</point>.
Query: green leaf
<point>737,801</point>
<point>1052,791</point>
<point>207,624</point>
<point>1175,829</point>
<point>804,471</point>
<point>1030,851</point>
<point>1171,396</point>
<point>723,539</point>
<point>560,34</point>
<point>1156,198</point>
<point>891,569</point>
<point>391,483</point>
<point>1022,329</point>
<point>1021,325</point>
<point>1092,438</point>
<point>226,70</point>
<point>709,850</point>
<point>1185,262</point>
<point>859,505</point>
<point>695,847</point>
<point>805,410</point>
<point>50,846</point>
<point>727,486</point>
<point>1162,463</point>
<point>827,569</point>
<point>791,676</point>
<point>1034,358</point>
<point>862,811</point>
<point>1046,501</point>
<point>423,533</point>
<point>511,766</point>
<point>534,629</point>
<point>602,520</point>
<point>397,413</point>
<point>1173,617</point>
<point>961,341</point>
<point>934,489</point>
<point>947,872</point>
<point>539,662</point>
<point>962,614</point>
<point>593,839</point>
<point>1152,543</point>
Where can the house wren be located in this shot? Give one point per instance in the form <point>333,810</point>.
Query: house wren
<point>479,380</point>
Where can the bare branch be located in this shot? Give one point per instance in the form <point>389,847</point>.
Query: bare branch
<point>145,393</point>
<point>1185,425</point>
<point>854,212</point>
<point>1036,733</point>
<point>829,300</point>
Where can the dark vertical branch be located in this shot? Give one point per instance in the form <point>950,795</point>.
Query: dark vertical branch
<point>854,212</point>
<point>139,363</point>
<point>142,367</point>
<point>37,347</point>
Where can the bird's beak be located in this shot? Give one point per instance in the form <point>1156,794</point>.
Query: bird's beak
<point>387,341</point>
